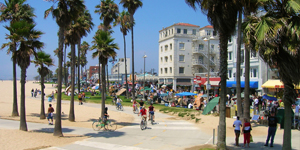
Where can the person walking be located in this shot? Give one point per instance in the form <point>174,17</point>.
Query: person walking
<point>32,92</point>
<point>237,130</point>
<point>272,129</point>
<point>80,98</point>
<point>50,114</point>
<point>246,131</point>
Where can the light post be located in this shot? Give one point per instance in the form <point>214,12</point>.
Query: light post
<point>208,66</point>
<point>145,56</point>
<point>118,71</point>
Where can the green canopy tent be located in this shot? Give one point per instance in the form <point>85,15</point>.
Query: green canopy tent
<point>211,105</point>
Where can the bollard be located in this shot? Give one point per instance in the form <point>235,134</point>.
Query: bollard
<point>213,136</point>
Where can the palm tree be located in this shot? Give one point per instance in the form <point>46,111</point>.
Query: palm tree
<point>85,25</point>
<point>13,11</point>
<point>222,15</point>
<point>64,13</point>
<point>108,11</point>
<point>84,48</point>
<point>132,6</point>
<point>275,36</point>
<point>104,47</point>
<point>124,21</point>
<point>26,38</point>
<point>43,60</point>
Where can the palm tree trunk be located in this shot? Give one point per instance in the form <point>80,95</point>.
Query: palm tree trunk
<point>71,114</point>
<point>57,127</point>
<point>289,96</point>
<point>127,95</point>
<point>23,124</point>
<point>42,114</point>
<point>103,88</point>
<point>222,108</point>
<point>107,78</point>
<point>15,99</point>
<point>238,68</point>
<point>65,67</point>
<point>247,78</point>
<point>132,55</point>
<point>78,79</point>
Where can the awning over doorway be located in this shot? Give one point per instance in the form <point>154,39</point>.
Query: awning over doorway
<point>273,84</point>
<point>213,83</point>
<point>253,84</point>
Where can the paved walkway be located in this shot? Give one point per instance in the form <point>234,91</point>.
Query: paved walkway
<point>164,134</point>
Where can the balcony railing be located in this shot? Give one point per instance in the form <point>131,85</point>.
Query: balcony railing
<point>199,62</point>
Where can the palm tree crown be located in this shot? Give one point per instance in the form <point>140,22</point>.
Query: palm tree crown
<point>108,11</point>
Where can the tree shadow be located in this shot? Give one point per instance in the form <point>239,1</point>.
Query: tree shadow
<point>51,130</point>
<point>106,134</point>
<point>254,146</point>
<point>36,115</point>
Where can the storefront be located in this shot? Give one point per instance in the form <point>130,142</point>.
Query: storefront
<point>275,87</point>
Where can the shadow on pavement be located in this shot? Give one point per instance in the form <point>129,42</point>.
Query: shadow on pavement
<point>106,134</point>
<point>254,146</point>
<point>51,130</point>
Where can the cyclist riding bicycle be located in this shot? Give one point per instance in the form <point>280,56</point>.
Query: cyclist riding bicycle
<point>143,112</point>
<point>119,101</point>
<point>134,104</point>
<point>141,104</point>
<point>151,111</point>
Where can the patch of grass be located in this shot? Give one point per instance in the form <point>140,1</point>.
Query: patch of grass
<point>193,116</point>
<point>182,114</point>
<point>197,120</point>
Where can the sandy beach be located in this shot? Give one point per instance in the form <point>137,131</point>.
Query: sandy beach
<point>84,117</point>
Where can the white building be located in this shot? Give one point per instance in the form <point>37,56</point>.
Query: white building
<point>183,52</point>
<point>259,71</point>
<point>119,67</point>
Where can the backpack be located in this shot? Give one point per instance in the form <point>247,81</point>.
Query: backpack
<point>79,96</point>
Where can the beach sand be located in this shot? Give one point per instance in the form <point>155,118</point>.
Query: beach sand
<point>84,117</point>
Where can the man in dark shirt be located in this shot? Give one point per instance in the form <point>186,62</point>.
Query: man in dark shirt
<point>272,129</point>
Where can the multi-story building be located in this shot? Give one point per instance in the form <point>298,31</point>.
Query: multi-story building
<point>94,71</point>
<point>183,52</point>
<point>259,70</point>
<point>119,67</point>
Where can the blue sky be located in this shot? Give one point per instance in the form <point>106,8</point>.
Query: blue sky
<point>152,17</point>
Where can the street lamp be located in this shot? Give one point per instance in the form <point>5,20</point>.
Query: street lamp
<point>145,56</point>
<point>208,65</point>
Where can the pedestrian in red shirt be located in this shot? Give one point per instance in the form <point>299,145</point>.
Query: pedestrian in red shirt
<point>246,131</point>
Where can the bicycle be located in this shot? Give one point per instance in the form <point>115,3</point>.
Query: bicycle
<point>143,124</point>
<point>135,110</point>
<point>151,118</point>
<point>108,125</point>
<point>119,107</point>
<point>113,102</point>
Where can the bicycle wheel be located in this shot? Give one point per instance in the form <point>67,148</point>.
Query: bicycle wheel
<point>121,108</point>
<point>151,118</point>
<point>142,125</point>
<point>97,125</point>
<point>145,124</point>
<point>111,126</point>
<point>117,107</point>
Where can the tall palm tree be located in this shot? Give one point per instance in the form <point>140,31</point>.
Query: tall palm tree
<point>108,11</point>
<point>238,68</point>
<point>223,16</point>
<point>64,13</point>
<point>276,37</point>
<point>13,11</point>
<point>132,6</point>
<point>85,25</point>
<point>104,47</point>
<point>27,40</point>
<point>84,48</point>
<point>43,60</point>
<point>124,21</point>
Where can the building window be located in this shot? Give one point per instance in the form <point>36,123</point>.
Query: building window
<point>166,58</point>
<point>161,49</point>
<point>178,30</point>
<point>229,55</point>
<point>161,71</point>
<point>170,46</point>
<point>253,54</point>
<point>242,56</point>
<point>212,47</point>
<point>172,31</point>
<point>170,69</point>
<point>241,72</point>
<point>181,69</point>
<point>170,58</point>
<point>214,33</point>
<point>212,59</point>
<point>201,46</point>
<point>212,70</point>
<point>181,46</point>
<point>169,32</point>
<point>230,39</point>
<point>208,32</point>
<point>184,31</point>
<point>166,34</point>
<point>166,47</point>
<point>229,73</point>
<point>253,73</point>
<point>181,58</point>
<point>166,70</point>
<point>161,59</point>
<point>194,31</point>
